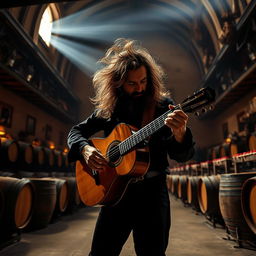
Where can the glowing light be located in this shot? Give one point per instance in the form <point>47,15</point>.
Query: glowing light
<point>2,131</point>
<point>46,26</point>
<point>51,145</point>
<point>85,57</point>
<point>65,150</point>
<point>228,140</point>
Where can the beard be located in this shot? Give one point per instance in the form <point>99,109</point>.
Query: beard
<point>132,101</point>
<point>130,107</point>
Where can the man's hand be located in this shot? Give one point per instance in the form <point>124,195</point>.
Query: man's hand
<point>177,121</point>
<point>93,158</point>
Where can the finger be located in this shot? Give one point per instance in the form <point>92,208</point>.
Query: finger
<point>94,164</point>
<point>179,113</point>
<point>176,118</point>
<point>175,121</point>
<point>173,126</point>
<point>100,158</point>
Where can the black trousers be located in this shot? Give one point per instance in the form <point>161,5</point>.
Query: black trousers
<point>145,210</point>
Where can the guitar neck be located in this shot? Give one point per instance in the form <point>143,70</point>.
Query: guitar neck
<point>145,132</point>
<point>191,104</point>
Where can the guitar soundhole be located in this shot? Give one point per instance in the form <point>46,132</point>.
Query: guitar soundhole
<point>114,155</point>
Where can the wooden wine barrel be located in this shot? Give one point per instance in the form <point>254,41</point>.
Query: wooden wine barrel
<point>239,145</point>
<point>230,205</point>
<point>182,188</point>
<point>18,197</point>
<point>192,191</point>
<point>45,157</point>
<point>248,199</point>
<point>62,194</point>
<point>45,201</point>
<point>51,157</point>
<point>252,142</point>
<point>73,194</point>
<point>29,154</point>
<point>208,195</point>
<point>40,155</point>
<point>9,153</point>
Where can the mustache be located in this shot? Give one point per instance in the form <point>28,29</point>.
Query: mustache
<point>138,93</point>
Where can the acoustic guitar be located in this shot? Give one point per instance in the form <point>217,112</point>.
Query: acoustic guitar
<point>126,160</point>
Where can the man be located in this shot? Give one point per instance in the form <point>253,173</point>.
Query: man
<point>129,89</point>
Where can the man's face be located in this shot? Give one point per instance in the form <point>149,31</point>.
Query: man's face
<point>136,82</point>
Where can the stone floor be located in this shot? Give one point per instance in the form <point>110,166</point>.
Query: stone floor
<point>71,236</point>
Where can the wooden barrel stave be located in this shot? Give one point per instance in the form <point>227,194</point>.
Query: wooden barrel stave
<point>73,194</point>
<point>19,200</point>
<point>192,192</point>
<point>45,202</point>
<point>252,142</point>
<point>230,205</point>
<point>175,184</point>
<point>182,188</point>
<point>208,195</point>
<point>62,196</point>
<point>9,153</point>
<point>248,200</point>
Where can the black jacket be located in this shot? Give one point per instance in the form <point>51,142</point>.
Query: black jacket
<point>161,143</point>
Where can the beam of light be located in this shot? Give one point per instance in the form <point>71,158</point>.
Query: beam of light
<point>145,20</point>
<point>84,57</point>
<point>106,26</point>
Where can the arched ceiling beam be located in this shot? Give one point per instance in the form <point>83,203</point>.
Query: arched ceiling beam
<point>213,15</point>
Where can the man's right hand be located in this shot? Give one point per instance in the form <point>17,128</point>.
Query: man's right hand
<point>93,158</point>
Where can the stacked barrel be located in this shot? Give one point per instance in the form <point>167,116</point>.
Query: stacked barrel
<point>237,204</point>
<point>223,193</point>
<point>36,186</point>
<point>18,155</point>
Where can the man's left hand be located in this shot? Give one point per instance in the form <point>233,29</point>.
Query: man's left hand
<point>177,121</point>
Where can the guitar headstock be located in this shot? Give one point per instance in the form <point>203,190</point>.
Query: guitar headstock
<point>199,99</point>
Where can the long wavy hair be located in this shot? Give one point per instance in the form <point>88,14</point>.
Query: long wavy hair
<point>124,55</point>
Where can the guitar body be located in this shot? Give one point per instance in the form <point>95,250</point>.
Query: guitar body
<point>108,186</point>
<point>125,161</point>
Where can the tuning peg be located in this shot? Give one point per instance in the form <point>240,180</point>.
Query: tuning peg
<point>204,110</point>
<point>197,113</point>
<point>211,107</point>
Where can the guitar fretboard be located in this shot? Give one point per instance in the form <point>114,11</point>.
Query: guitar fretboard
<point>199,99</point>
<point>139,136</point>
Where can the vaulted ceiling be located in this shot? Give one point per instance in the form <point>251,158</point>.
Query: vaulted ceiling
<point>194,24</point>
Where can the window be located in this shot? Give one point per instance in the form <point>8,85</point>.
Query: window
<point>5,114</point>
<point>45,27</point>
<point>30,125</point>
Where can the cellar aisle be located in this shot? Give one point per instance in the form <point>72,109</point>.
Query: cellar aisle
<point>71,236</point>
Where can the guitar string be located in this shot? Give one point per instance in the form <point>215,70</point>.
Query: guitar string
<point>136,137</point>
<point>185,106</point>
<point>148,128</point>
